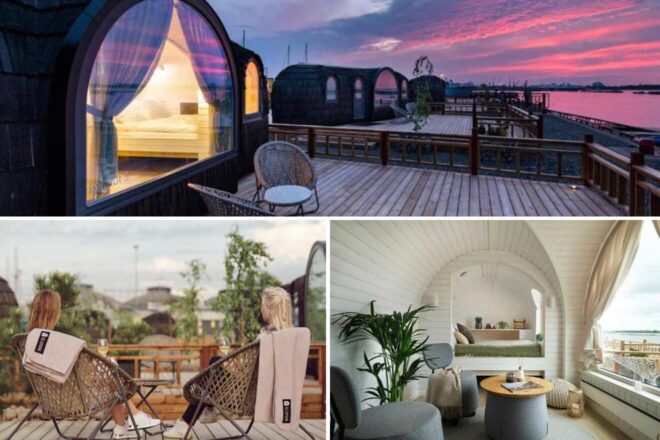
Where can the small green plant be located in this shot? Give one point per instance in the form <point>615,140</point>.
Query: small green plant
<point>539,337</point>
<point>423,67</point>
<point>502,325</point>
<point>401,348</point>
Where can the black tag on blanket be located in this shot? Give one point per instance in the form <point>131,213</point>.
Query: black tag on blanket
<point>286,411</point>
<point>41,343</point>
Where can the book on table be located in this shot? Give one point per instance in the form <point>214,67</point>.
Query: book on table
<point>521,386</point>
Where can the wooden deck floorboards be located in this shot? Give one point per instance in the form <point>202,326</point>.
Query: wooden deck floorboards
<point>363,189</point>
<point>45,430</point>
<point>437,124</point>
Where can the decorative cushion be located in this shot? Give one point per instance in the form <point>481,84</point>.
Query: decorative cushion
<point>558,397</point>
<point>460,338</point>
<point>464,330</point>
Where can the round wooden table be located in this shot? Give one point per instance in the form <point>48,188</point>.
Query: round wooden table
<point>519,415</point>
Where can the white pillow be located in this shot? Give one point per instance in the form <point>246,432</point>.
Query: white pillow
<point>460,338</point>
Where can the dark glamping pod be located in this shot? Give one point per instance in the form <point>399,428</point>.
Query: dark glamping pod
<point>110,107</point>
<point>436,85</point>
<point>323,95</point>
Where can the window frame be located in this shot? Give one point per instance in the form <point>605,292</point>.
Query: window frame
<point>68,114</point>
<point>401,89</point>
<point>327,81</point>
<point>376,107</point>
<point>259,113</point>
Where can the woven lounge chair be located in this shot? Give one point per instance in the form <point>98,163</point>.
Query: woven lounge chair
<point>224,204</point>
<point>94,386</point>
<point>280,163</point>
<point>229,386</point>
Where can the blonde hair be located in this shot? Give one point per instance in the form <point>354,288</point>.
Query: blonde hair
<point>45,311</point>
<point>278,301</point>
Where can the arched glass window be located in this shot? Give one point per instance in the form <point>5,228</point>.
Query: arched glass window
<point>331,90</point>
<point>160,96</point>
<point>404,90</point>
<point>386,92</point>
<point>252,89</point>
<point>358,99</point>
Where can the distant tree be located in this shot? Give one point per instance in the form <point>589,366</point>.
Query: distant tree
<point>9,327</point>
<point>129,331</point>
<point>420,117</point>
<point>67,285</point>
<point>245,277</point>
<point>185,309</point>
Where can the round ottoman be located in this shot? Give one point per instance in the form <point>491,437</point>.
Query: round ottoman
<point>399,421</point>
<point>469,393</point>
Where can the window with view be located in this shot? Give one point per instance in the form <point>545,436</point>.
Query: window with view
<point>331,90</point>
<point>386,91</point>
<point>631,324</point>
<point>160,97</point>
<point>252,89</point>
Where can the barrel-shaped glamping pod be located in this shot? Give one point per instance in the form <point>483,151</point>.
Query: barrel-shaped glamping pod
<point>435,84</point>
<point>324,95</point>
<point>135,99</point>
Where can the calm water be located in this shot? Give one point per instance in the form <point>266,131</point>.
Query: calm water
<point>649,337</point>
<point>624,108</point>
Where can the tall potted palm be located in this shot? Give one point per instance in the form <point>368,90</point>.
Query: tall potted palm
<point>402,345</point>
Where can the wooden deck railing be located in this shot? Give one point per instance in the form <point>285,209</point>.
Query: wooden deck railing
<point>625,181</point>
<point>170,361</point>
<point>632,348</point>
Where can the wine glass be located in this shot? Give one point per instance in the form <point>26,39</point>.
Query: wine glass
<point>102,347</point>
<point>224,344</point>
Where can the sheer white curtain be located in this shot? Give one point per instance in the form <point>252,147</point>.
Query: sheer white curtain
<point>610,270</point>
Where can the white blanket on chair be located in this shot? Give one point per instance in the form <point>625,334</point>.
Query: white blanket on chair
<point>282,365</point>
<point>51,354</point>
<point>444,391</point>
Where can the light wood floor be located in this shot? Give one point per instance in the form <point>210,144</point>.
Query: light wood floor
<point>438,124</point>
<point>363,189</point>
<point>45,430</point>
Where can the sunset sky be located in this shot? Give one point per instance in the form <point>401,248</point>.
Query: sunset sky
<point>614,41</point>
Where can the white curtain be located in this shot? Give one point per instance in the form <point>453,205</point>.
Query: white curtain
<point>610,270</point>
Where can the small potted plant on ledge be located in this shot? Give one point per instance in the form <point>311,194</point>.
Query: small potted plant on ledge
<point>502,325</point>
<point>402,345</point>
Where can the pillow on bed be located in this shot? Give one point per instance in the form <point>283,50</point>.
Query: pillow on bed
<point>460,338</point>
<point>558,397</point>
<point>464,330</point>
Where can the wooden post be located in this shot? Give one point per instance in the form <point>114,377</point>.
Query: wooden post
<point>474,152</point>
<point>539,127</point>
<point>647,146</point>
<point>635,195</point>
<point>586,162</point>
<point>385,148</point>
<point>543,103</point>
<point>474,113</point>
<point>311,142</point>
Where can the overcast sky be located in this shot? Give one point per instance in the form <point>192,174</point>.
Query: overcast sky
<point>102,253</point>
<point>637,305</point>
<point>615,41</point>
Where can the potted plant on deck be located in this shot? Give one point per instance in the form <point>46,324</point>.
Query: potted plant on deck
<point>399,358</point>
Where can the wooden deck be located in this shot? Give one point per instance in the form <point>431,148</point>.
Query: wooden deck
<point>437,124</point>
<point>45,430</point>
<point>363,189</point>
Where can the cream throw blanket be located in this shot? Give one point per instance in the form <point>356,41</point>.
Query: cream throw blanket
<point>444,391</point>
<point>282,366</point>
<point>51,354</point>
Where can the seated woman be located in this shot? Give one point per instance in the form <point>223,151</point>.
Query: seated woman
<point>45,314</point>
<point>276,314</point>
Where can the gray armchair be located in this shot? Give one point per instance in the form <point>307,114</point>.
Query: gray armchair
<point>393,421</point>
<point>439,356</point>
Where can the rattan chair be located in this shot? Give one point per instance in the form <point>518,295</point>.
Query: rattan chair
<point>280,163</point>
<point>94,386</point>
<point>229,386</point>
<point>224,204</point>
